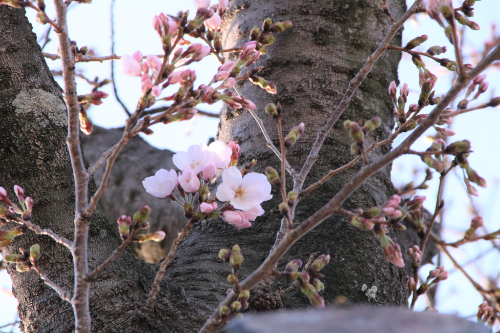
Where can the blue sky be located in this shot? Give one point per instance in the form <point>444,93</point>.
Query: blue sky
<point>90,26</point>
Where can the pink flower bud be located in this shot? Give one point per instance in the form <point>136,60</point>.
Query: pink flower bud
<point>158,236</point>
<point>221,76</point>
<point>137,56</point>
<point>396,198</point>
<point>222,6</point>
<point>207,208</point>
<point>146,85</point>
<point>172,27</point>
<point>29,203</point>
<point>153,62</point>
<point>209,172</point>
<point>393,91</point>
<point>214,22</point>
<point>388,211</point>
<point>130,66</point>
<point>156,91</point>
<point>236,218</point>
<point>226,66</point>
<point>479,79</point>
<point>175,77</point>
<point>248,104</point>
<point>235,152</point>
<point>249,47</point>
<point>205,50</point>
<point>405,91</point>
<point>228,84</point>
<point>157,23</point>
<point>476,222</point>
<point>19,193</point>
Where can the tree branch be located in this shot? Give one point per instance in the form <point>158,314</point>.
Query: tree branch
<point>155,286</point>
<point>40,231</point>
<point>59,290</point>
<point>87,58</point>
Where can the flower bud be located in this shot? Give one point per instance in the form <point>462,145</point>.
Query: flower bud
<point>356,132</point>
<point>224,255</point>
<point>142,214</point>
<point>321,261</point>
<point>272,110</point>
<point>34,253</point>
<point>86,125</point>
<point>273,177</point>
<point>280,26</point>
<point>494,102</point>
<point>23,267</point>
<point>459,147</point>
<point>293,136</point>
<point>392,250</point>
<point>416,42</point>
<point>317,284</point>
<point>236,258</point>
<point>254,33</point>
<point>362,223</point>
<point>393,91</point>
<point>264,84</point>
<point>267,24</point>
<point>15,258</point>
<point>372,124</point>
<point>292,197</point>
<point>436,50</point>
<point>284,210</point>
<point>411,284</point>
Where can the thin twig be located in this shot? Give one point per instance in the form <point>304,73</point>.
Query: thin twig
<point>112,16</point>
<point>116,253</point>
<point>458,53</point>
<point>88,58</point>
<point>411,52</point>
<point>489,237</point>
<point>155,286</point>
<point>266,268</point>
<point>457,112</point>
<point>40,231</point>
<point>165,108</point>
<point>65,295</point>
<point>283,171</point>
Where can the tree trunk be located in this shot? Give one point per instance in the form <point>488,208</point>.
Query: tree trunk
<point>311,65</point>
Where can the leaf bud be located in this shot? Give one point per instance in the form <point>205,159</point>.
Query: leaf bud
<point>280,26</point>
<point>317,284</point>
<point>224,310</point>
<point>293,136</point>
<point>356,132</point>
<point>244,296</point>
<point>284,210</point>
<point>231,278</point>
<point>235,259</point>
<point>272,110</point>
<point>142,214</point>
<point>236,306</point>
<point>372,124</point>
<point>436,50</point>
<point>292,197</point>
<point>254,33</point>
<point>34,253</point>
<point>23,267</point>
<point>321,261</point>
<point>267,24</point>
<point>224,255</point>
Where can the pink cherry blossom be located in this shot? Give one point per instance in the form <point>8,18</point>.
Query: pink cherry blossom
<point>207,208</point>
<point>209,171</point>
<point>156,91</point>
<point>189,181</point>
<point>162,184</point>
<point>220,154</point>
<point>205,50</point>
<point>157,23</point>
<point>175,77</point>
<point>130,66</point>
<point>214,22</point>
<point>153,62</point>
<point>195,159</point>
<point>236,218</point>
<point>201,3</point>
<point>235,152</point>
<point>172,27</point>
<point>243,192</point>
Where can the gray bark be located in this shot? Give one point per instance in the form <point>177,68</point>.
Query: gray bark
<point>311,64</point>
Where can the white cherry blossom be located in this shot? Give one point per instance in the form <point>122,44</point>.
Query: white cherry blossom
<point>194,160</point>
<point>220,154</point>
<point>162,184</point>
<point>243,192</point>
<point>189,181</point>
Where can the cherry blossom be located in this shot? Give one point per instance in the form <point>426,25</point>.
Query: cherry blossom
<point>243,192</point>
<point>252,213</point>
<point>130,66</point>
<point>162,184</point>
<point>194,160</point>
<point>222,6</point>
<point>220,154</point>
<point>207,208</point>
<point>214,22</point>
<point>201,3</point>
<point>226,66</point>
<point>189,181</point>
<point>209,171</point>
<point>156,91</point>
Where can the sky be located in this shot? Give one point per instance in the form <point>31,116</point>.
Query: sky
<point>89,25</point>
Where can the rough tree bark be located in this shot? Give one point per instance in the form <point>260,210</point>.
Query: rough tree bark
<point>311,64</point>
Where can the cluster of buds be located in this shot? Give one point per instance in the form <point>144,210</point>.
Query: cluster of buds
<point>474,224</point>
<point>127,224</point>
<point>436,161</point>
<point>358,131</point>
<point>399,102</point>
<point>465,21</point>
<point>94,97</point>
<point>309,279</point>
<point>484,313</point>
<point>389,214</point>
<point>26,204</point>
<point>416,256</point>
<point>435,276</point>
<point>235,259</point>
<point>478,81</point>
<point>410,187</point>
<point>263,37</point>
<point>6,237</point>
<point>415,209</point>
<point>25,260</point>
